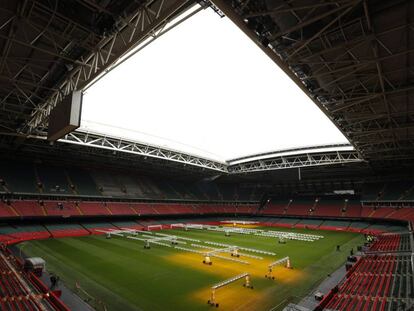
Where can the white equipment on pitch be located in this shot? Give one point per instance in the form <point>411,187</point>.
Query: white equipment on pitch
<point>214,253</point>
<point>154,227</point>
<point>242,248</point>
<point>246,276</point>
<point>148,239</point>
<point>277,263</point>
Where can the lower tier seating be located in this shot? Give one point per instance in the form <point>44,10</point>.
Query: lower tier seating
<point>19,293</point>
<point>392,242</point>
<point>376,282</point>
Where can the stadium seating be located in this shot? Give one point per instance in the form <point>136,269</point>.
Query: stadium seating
<point>19,177</point>
<point>28,208</point>
<point>377,281</point>
<point>93,208</point>
<point>127,224</point>
<point>286,208</point>
<point>21,291</point>
<point>309,223</point>
<point>335,225</point>
<point>358,226</point>
<point>143,209</point>
<point>7,210</point>
<point>82,182</point>
<point>61,208</point>
<point>391,191</point>
<point>286,222</point>
<point>353,209</point>
<point>246,209</point>
<point>120,208</point>
<point>53,180</point>
<point>278,207</point>
<point>171,209</point>
<point>66,230</point>
<point>391,242</point>
<point>331,208</point>
<point>96,228</point>
<point>300,207</point>
<point>28,178</point>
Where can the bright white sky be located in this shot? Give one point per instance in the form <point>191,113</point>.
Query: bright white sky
<point>207,89</point>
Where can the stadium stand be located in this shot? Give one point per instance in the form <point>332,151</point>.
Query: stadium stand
<point>329,207</point>
<point>276,207</point>
<point>53,179</point>
<point>21,291</point>
<point>119,208</point>
<point>300,207</point>
<point>68,208</point>
<point>28,208</point>
<point>335,225</point>
<point>60,208</point>
<point>358,226</point>
<point>81,182</point>
<point>309,223</point>
<point>28,178</point>
<point>380,280</point>
<point>6,210</point>
<point>143,209</point>
<point>93,208</point>
<point>18,177</point>
<point>352,209</point>
<point>392,242</point>
<point>66,230</point>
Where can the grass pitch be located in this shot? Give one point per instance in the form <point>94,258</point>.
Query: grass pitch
<point>125,276</point>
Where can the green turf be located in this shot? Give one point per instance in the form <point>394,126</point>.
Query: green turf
<point>126,277</point>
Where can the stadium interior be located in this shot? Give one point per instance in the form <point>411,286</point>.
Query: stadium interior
<point>353,58</point>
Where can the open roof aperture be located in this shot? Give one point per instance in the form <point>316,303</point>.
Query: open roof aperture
<point>205,89</point>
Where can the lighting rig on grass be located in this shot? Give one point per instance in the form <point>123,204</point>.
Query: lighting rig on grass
<point>246,276</point>
<point>277,263</point>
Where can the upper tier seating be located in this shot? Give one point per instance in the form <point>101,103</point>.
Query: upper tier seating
<point>82,182</point>
<point>19,177</point>
<point>391,191</point>
<point>53,180</point>
<point>34,178</point>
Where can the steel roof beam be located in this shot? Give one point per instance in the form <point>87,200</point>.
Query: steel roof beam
<point>296,161</point>
<point>139,27</point>
<point>95,140</point>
